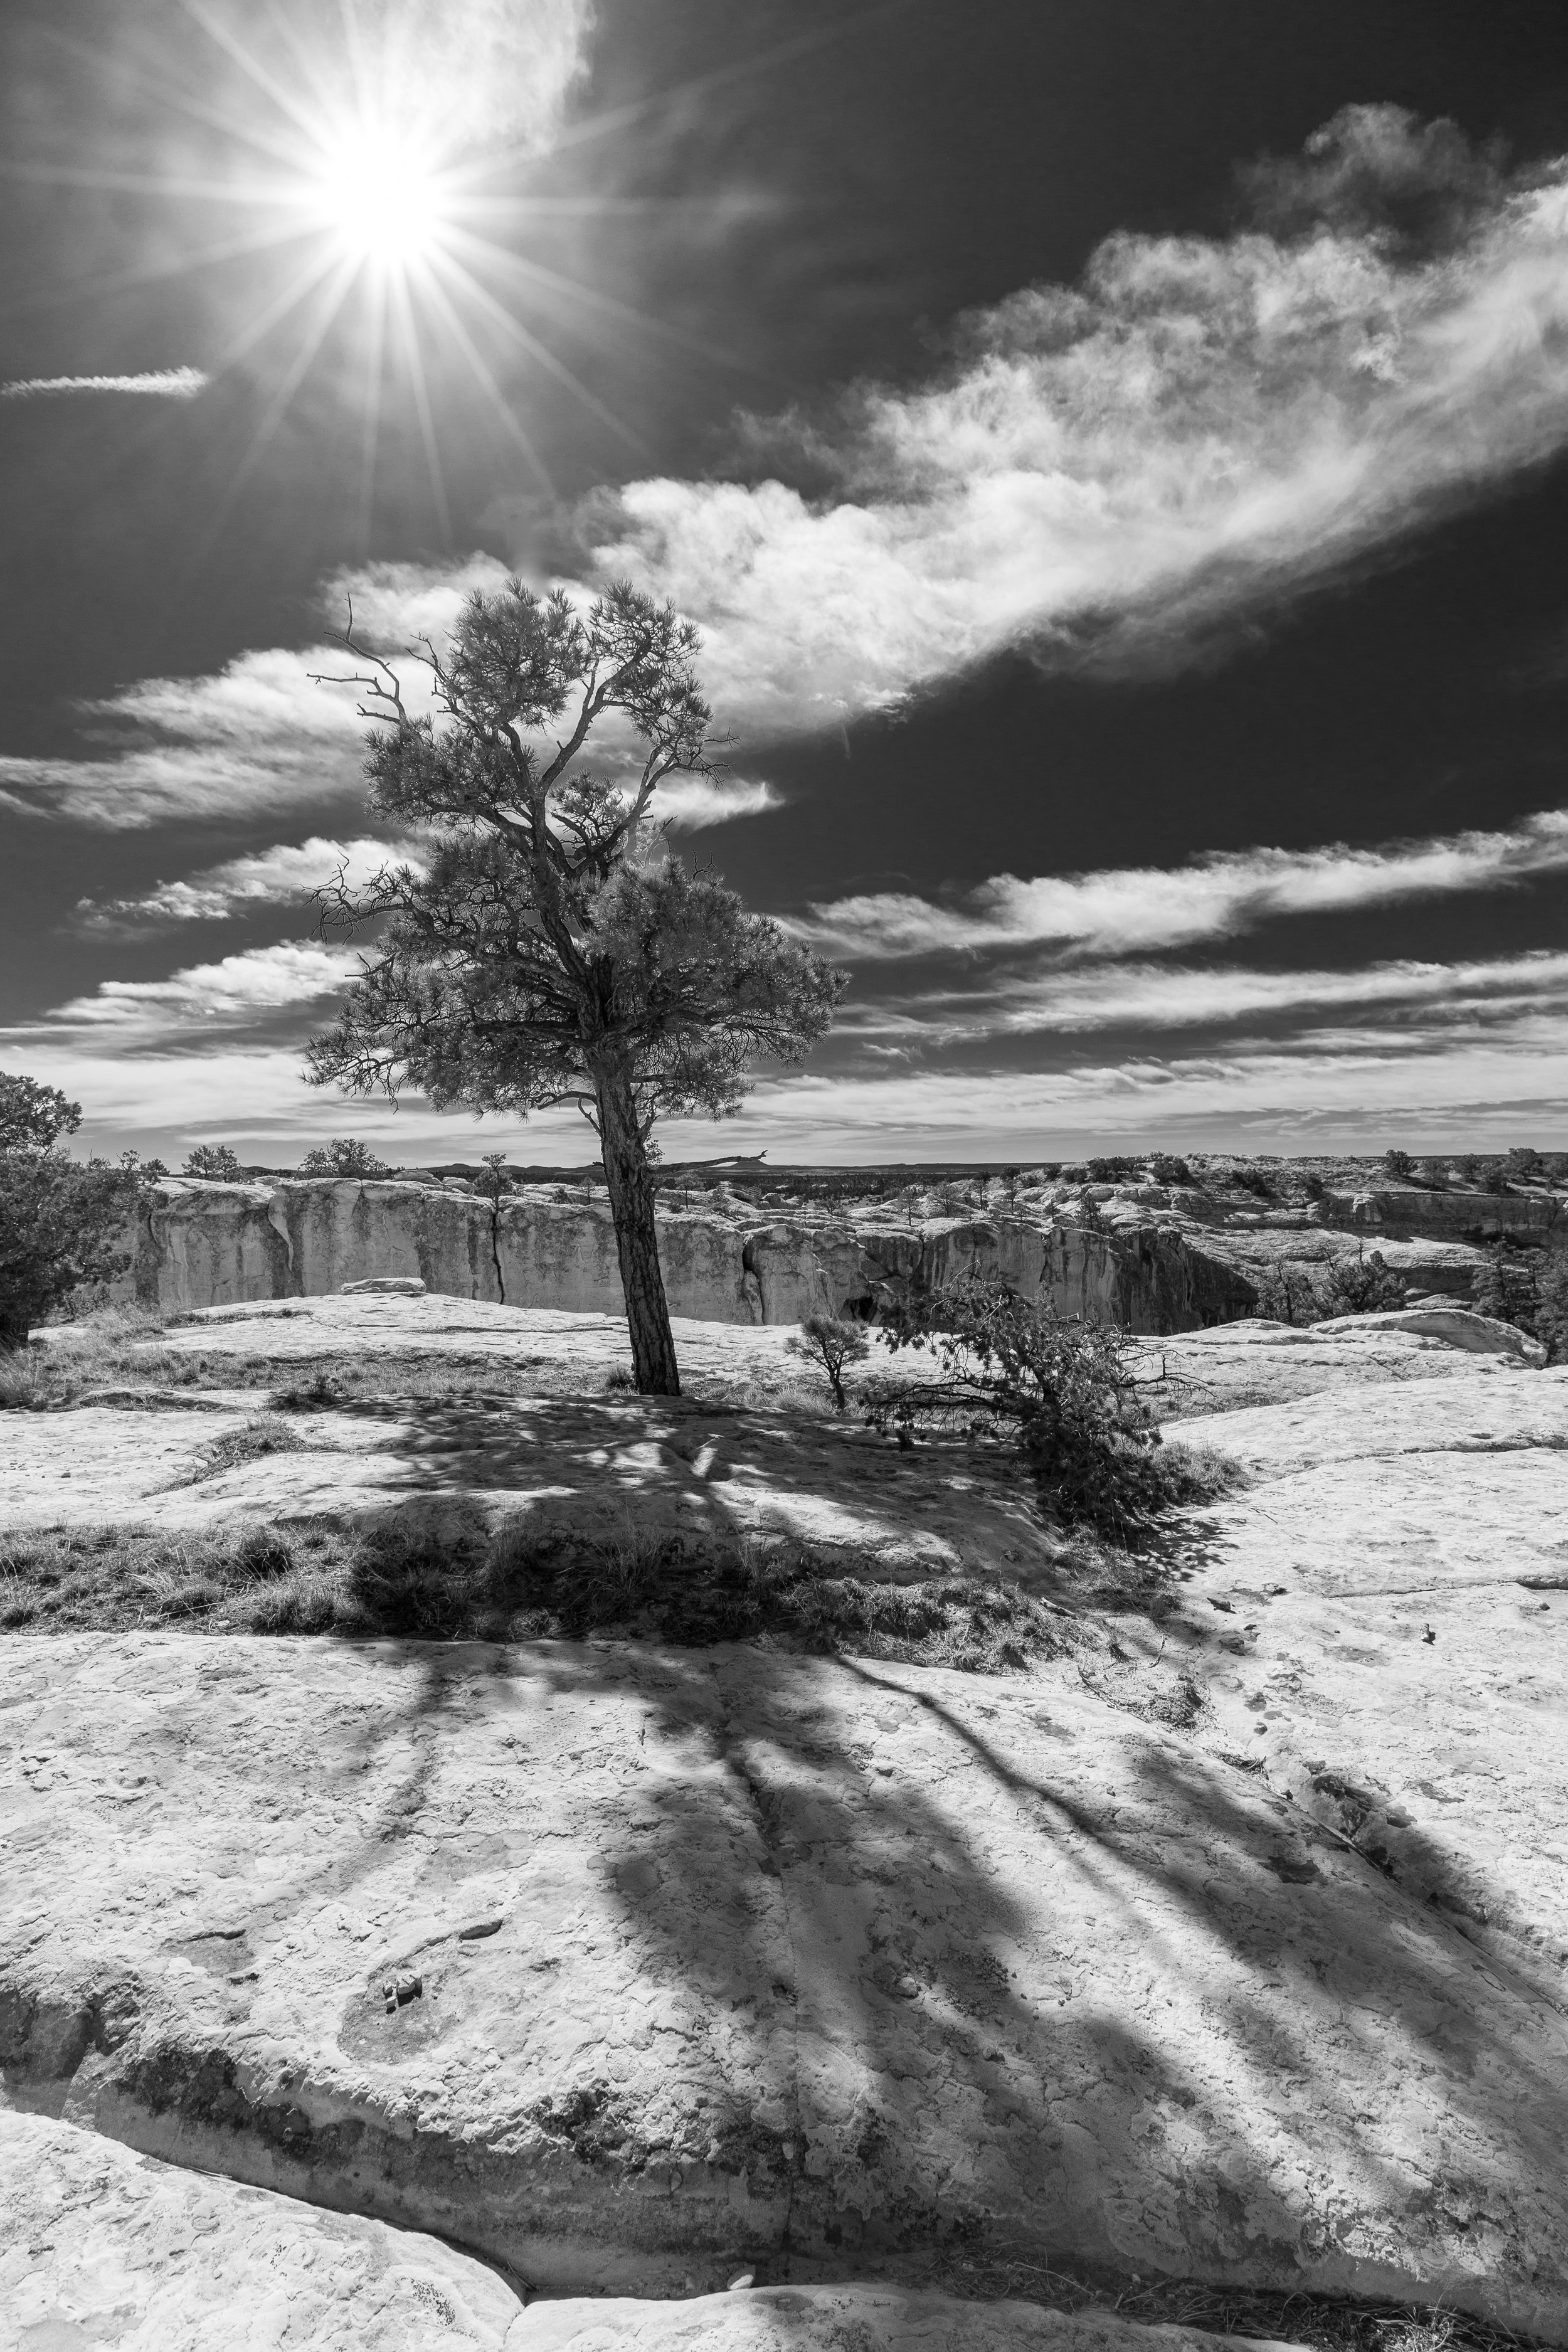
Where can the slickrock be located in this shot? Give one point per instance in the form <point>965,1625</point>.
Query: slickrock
<point>99,1463</point>
<point>105,2248</point>
<point>695,1466</point>
<point>1384,1636</point>
<point>633,1969</point>
<point>841,2319</point>
<point>1151,1257</point>
<point>102,2247</point>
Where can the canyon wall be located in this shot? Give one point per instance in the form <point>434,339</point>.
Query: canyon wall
<point>203,1244</point>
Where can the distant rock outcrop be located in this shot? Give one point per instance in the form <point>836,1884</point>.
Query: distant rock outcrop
<point>209,1244</point>
<point>1149,1257</point>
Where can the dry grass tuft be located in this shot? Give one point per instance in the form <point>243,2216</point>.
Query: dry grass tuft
<point>405,1576</point>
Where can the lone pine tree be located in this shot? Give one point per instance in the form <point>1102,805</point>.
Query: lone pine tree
<point>548,948</point>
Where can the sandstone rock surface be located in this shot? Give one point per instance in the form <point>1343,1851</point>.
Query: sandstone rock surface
<point>101,2247</point>
<point>631,1966</point>
<point>199,1244</point>
<point>636,1967</point>
<point>1388,1638</point>
<point>697,1465</point>
<point>839,2319</point>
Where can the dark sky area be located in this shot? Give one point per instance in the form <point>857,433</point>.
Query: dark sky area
<point>1350,689</point>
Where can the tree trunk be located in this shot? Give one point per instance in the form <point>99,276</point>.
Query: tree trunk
<point>636,1237</point>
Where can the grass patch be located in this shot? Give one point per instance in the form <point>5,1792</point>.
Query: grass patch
<point>253,1442</point>
<point>123,1580</point>
<point>1326,2322</point>
<point>115,1354</point>
<point>397,1577</point>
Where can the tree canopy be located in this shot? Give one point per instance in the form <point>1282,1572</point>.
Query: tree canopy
<point>32,1116</point>
<point>548,947</point>
<point>62,1220</point>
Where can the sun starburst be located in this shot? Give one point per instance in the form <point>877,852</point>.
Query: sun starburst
<point>381,158</point>
<point>382,198</point>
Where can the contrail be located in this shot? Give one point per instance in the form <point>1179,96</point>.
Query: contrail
<point>167,384</point>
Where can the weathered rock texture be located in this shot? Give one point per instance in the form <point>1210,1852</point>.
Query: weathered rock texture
<point>1150,1257</point>
<point>1387,1641</point>
<point>632,1967</point>
<point>840,2319</point>
<point>101,2247</point>
<point>198,1246</point>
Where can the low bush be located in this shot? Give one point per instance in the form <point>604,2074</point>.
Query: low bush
<point>1362,1285</point>
<point>1285,1297</point>
<point>1063,1392</point>
<point>252,1443</point>
<point>1165,1167</point>
<point>1115,1169</point>
<point>308,1396</point>
<point>62,1227</point>
<point>214,1161</point>
<point>1399,1165</point>
<point>26,1385</point>
<point>830,1344</point>
<point>952,1198</point>
<point>1551,1316</point>
<point>343,1156</point>
<point>1529,1290</point>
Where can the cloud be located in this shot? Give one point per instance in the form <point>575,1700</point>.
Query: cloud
<point>165,384</point>
<point>486,71</point>
<point>234,993</point>
<point>1103,474</point>
<point>1125,909</point>
<point>1417,1053</point>
<point>691,804</point>
<point>1106,472</point>
<point>266,733</point>
<point>265,877</point>
<point>1144,996</point>
<point>1329,1089</point>
<point>257,736</point>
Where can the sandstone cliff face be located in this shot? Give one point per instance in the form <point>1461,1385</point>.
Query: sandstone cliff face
<point>1141,1256</point>
<point>1407,1211</point>
<point>200,1245</point>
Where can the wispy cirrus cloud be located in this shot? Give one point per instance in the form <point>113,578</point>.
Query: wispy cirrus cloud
<point>1140,997</point>
<point>234,993</point>
<point>1469,1088</point>
<point>271,876</point>
<point>1106,471</point>
<point>1103,474</point>
<point>1125,909</point>
<point>275,730</point>
<point>252,738</point>
<point>162,383</point>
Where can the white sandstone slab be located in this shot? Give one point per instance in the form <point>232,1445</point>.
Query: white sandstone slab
<point>102,2247</point>
<point>841,2319</point>
<point>713,1946</point>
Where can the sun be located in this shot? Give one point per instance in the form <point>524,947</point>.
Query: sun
<point>379,198</point>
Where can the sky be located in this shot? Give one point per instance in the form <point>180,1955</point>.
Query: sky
<point>1116,459</point>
